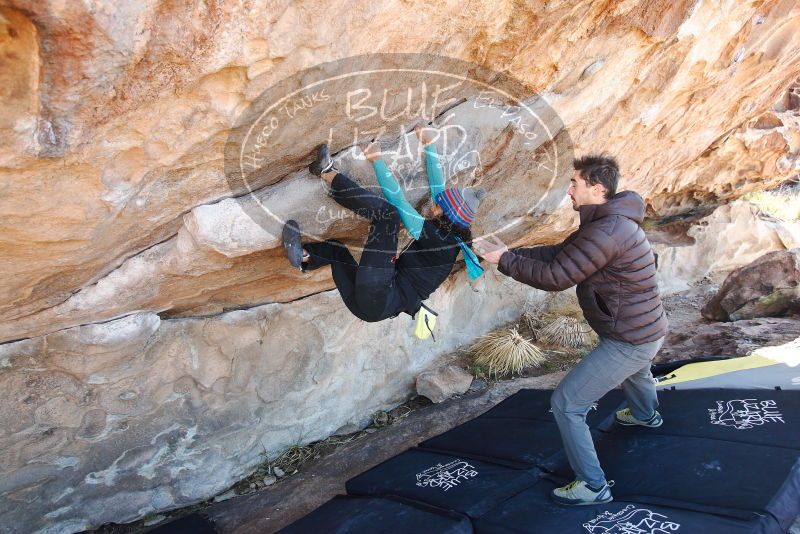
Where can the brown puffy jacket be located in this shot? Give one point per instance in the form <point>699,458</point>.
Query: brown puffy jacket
<point>610,260</point>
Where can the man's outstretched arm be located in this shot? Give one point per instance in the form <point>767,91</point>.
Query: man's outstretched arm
<point>578,259</point>
<point>492,248</point>
<point>541,253</point>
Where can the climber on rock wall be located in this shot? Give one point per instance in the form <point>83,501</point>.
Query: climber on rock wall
<point>610,260</point>
<point>384,283</point>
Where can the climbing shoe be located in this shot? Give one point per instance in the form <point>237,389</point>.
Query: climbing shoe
<point>578,493</point>
<point>626,418</point>
<point>323,162</point>
<point>293,244</point>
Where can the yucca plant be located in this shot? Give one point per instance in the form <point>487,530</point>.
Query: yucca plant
<point>564,303</point>
<point>566,331</point>
<point>533,322</point>
<point>506,352</point>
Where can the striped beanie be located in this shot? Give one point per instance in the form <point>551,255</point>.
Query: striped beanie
<point>461,204</point>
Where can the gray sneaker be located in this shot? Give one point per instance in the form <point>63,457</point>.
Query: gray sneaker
<point>578,493</point>
<point>626,418</point>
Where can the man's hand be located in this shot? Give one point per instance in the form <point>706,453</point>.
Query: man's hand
<point>426,134</point>
<point>490,249</point>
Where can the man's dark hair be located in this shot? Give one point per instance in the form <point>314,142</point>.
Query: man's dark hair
<point>600,169</point>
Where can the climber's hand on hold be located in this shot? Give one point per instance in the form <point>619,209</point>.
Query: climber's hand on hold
<point>426,134</point>
<point>490,249</point>
<point>372,151</point>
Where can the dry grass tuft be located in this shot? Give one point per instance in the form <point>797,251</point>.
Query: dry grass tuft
<point>555,303</point>
<point>533,322</point>
<point>783,203</point>
<point>506,352</point>
<point>291,459</point>
<point>557,321</point>
<point>569,332</point>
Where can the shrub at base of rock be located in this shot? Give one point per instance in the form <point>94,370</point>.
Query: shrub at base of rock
<point>767,287</point>
<point>506,352</point>
<point>569,332</point>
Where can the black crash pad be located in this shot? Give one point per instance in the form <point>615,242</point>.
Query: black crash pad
<point>520,431</point>
<point>723,461</point>
<point>375,515</point>
<point>519,443</point>
<point>738,480</point>
<point>759,417</point>
<point>188,524</point>
<point>533,512</point>
<point>535,404</point>
<point>467,486</point>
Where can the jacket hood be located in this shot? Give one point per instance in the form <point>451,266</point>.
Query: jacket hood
<point>626,203</point>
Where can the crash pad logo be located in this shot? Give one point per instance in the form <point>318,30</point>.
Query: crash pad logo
<point>744,414</point>
<point>631,520</point>
<point>446,476</point>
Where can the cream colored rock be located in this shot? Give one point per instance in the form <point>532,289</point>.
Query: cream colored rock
<point>223,245</point>
<point>139,415</point>
<point>758,155</point>
<point>731,237</point>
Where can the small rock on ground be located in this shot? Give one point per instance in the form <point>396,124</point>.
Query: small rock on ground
<point>225,496</point>
<point>444,382</point>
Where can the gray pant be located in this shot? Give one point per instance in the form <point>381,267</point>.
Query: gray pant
<point>610,364</point>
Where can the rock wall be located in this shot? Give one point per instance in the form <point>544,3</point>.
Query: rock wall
<point>112,421</point>
<point>732,236</point>
<point>135,102</point>
<point>130,382</point>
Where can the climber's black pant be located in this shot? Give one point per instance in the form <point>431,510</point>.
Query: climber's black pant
<point>368,288</point>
